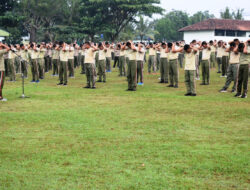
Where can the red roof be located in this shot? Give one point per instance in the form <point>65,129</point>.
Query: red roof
<point>219,24</point>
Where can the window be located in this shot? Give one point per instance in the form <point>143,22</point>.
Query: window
<point>241,34</point>
<point>219,32</point>
<point>230,33</point>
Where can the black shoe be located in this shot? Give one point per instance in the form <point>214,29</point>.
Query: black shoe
<point>86,87</point>
<point>93,87</point>
<point>244,96</point>
<point>238,95</point>
<point>175,86</point>
<point>207,83</point>
<point>188,94</point>
<point>223,90</point>
<point>170,85</point>
<point>161,81</point>
<point>60,84</point>
<point>232,90</point>
<point>133,89</point>
<point>166,82</point>
<point>193,94</point>
<point>99,81</point>
<point>129,90</point>
<point>104,81</point>
<point>65,84</point>
<point>203,83</point>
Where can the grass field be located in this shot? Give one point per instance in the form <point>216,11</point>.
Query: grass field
<point>155,138</point>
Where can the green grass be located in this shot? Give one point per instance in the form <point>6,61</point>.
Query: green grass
<point>155,138</point>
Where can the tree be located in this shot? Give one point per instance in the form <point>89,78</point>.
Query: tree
<point>122,12</point>
<point>200,16</point>
<point>143,27</point>
<point>238,14</point>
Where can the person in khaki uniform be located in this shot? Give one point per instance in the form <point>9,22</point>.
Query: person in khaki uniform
<point>140,63</point>
<point>173,65</point>
<point>71,61</point>
<point>164,65</point>
<point>24,61</point>
<point>41,61</point>
<point>3,50</point>
<point>151,59</point>
<point>76,55</point>
<point>63,64</point>
<point>33,55</point>
<point>55,60</point>
<point>132,67</point>
<point>11,65</point>
<point>205,62</point>
<point>82,51</point>
<point>243,74</point>
<point>213,54</point>
<point>108,56</point>
<point>122,61</point>
<point>233,67</point>
<point>102,63</point>
<point>190,54</point>
<point>220,52</point>
<point>90,65</point>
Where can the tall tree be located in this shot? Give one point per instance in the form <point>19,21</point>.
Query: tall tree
<point>143,27</point>
<point>226,14</point>
<point>238,14</point>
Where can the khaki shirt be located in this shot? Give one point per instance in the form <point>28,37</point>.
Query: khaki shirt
<point>132,55</point>
<point>89,56</point>
<point>122,53</point>
<point>220,52</point>
<point>140,55</point>
<point>234,58</point>
<point>152,51</point>
<point>2,52</point>
<point>190,61</point>
<point>163,53</point>
<point>42,53</point>
<point>55,54</point>
<point>172,56</point>
<point>63,55</point>
<point>72,53</point>
<point>108,52</point>
<point>206,53</point>
<point>24,55</point>
<point>102,55</point>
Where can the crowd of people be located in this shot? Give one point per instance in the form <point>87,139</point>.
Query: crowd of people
<point>94,59</point>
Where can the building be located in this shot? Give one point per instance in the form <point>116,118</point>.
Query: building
<point>3,34</point>
<point>217,29</point>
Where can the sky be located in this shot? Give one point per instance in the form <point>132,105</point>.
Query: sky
<point>213,6</point>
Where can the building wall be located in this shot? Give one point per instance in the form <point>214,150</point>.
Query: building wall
<point>209,35</point>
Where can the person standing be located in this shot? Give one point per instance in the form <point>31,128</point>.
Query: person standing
<point>102,63</point>
<point>173,65</point>
<point>24,61</point>
<point>41,61</point>
<point>117,56</point>
<point>11,66</point>
<point>151,59</point>
<point>108,56</point>
<point>3,50</point>
<point>82,60</point>
<point>71,61</point>
<point>55,60</point>
<point>90,65</point>
<point>132,67</point>
<point>220,52</point>
<point>243,70</point>
<point>33,55</point>
<point>225,59</point>
<point>122,61</point>
<point>205,62</point>
<point>140,62</point>
<point>190,54</point>
<point>232,72</point>
<point>63,64</point>
<point>76,55</point>
<point>164,65</point>
<point>213,54</point>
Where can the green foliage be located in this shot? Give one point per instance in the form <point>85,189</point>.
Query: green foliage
<point>168,26</point>
<point>231,14</point>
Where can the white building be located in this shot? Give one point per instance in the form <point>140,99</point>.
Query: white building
<point>217,29</point>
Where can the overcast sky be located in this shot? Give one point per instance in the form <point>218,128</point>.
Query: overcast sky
<point>213,6</point>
